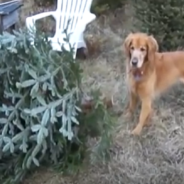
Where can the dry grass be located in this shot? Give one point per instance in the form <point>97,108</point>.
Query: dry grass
<point>154,157</point>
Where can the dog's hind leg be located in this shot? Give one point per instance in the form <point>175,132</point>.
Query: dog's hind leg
<point>146,110</point>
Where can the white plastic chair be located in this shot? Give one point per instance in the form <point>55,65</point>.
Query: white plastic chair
<point>75,13</point>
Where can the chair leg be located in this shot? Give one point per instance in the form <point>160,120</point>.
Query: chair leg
<point>81,42</point>
<point>75,52</point>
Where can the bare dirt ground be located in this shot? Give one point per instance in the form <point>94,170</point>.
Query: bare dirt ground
<point>156,157</point>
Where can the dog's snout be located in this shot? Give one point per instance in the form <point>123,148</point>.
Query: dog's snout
<point>134,61</point>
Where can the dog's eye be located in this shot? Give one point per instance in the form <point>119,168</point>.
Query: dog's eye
<point>132,48</point>
<point>142,49</point>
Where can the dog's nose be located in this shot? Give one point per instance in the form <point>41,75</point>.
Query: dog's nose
<point>134,61</point>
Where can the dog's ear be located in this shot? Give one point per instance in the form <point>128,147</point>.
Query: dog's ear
<point>127,43</point>
<point>154,43</point>
<point>152,47</point>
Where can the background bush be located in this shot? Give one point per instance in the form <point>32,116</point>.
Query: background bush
<point>45,118</point>
<point>98,6</point>
<point>101,6</point>
<point>44,2</point>
<point>163,19</point>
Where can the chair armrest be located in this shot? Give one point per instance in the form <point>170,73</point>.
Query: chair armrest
<point>88,17</point>
<point>81,26</point>
<point>30,21</point>
<point>42,15</point>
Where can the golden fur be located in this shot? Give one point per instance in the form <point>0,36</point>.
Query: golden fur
<point>158,72</point>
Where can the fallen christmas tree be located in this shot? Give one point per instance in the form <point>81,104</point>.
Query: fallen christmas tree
<point>44,117</point>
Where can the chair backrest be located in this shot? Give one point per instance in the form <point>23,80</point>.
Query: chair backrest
<point>72,11</point>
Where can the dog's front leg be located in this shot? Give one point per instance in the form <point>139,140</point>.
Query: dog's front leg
<point>131,105</point>
<point>144,115</point>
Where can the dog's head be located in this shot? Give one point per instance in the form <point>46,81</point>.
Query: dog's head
<point>139,48</point>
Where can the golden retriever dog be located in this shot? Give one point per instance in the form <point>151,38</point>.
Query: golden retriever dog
<point>149,73</point>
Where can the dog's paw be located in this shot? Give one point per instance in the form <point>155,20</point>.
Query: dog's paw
<point>137,130</point>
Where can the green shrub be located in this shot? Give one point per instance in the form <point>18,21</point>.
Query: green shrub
<point>163,19</point>
<point>43,119</point>
<point>44,2</point>
<point>101,6</point>
<point>98,6</point>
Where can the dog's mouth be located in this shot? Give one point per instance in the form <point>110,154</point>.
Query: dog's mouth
<point>137,74</point>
